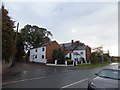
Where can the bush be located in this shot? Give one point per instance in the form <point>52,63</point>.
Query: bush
<point>69,61</point>
<point>58,55</point>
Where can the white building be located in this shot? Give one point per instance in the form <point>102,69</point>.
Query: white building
<point>38,55</point>
<point>77,55</point>
<point>44,53</point>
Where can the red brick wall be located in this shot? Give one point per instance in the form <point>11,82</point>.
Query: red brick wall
<point>67,51</point>
<point>49,50</point>
<point>88,53</point>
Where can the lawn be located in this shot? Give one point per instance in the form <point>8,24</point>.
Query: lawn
<point>92,65</point>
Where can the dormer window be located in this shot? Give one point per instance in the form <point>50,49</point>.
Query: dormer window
<point>81,53</point>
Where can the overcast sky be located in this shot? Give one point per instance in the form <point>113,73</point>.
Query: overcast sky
<point>93,23</point>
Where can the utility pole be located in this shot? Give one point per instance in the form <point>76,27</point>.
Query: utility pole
<point>109,56</point>
<point>13,62</point>
<point>16,33</point>
<point>102,58</point>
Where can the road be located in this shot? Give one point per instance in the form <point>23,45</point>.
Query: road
<point>52,77</point>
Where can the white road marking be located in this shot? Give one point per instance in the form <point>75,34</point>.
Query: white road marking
<point>22,80</point>
<point>25,80</point>
<point>74,83</point>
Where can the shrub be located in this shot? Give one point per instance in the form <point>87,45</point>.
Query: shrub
<point>58,55</point>
<point>69,61</point>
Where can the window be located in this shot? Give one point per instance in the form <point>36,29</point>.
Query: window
<point>42,56</point>
<point>42,49</point>
<point>70,56</point>
<point>36,50</point>
<point>81,53</point>
<point>35,56</point>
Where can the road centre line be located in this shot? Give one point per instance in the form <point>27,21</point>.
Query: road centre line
<point>22,80</point>
<point>10,82</point>
<point>75,83</point>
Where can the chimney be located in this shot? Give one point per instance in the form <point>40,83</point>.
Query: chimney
<point>72,42</point>
<point>63,45</point>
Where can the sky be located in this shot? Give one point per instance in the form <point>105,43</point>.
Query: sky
<point>93,23</point>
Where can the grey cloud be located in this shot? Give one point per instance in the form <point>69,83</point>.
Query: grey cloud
<point>94,23</point>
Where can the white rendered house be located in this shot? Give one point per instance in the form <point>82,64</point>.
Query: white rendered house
<point>38,55</point>
<point>77,55</point>
<point>44,53</point>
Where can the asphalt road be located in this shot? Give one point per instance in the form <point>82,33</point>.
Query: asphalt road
<point>52,77</point>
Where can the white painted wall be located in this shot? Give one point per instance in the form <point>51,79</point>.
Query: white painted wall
<point>73,56</point>
<point>81,55</point>
<point>39,54</point>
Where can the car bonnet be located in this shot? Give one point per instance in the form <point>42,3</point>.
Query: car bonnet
<point>100,82</point>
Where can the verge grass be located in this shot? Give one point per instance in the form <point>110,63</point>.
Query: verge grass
<point>92,65</point>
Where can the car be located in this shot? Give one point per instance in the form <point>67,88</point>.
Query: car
<point>106,79</point>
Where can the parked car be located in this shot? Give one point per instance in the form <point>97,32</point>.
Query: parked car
<point>105,79</point>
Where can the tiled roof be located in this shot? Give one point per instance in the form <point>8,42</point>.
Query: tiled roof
<point>48,43</point>
<point>80,48</point>
<point>76,53</point>
<point>69,46</point>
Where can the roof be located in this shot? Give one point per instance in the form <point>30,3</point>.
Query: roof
<point>48,43</point>
<point>45,44</point>
<point>76,53</point>
<point>69,48</point>
<point>73,47</point>
<point>80,48</point>
<point>65,44</point>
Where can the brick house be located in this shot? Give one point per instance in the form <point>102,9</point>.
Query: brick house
<point>77,51</point>
<point>43,54</point>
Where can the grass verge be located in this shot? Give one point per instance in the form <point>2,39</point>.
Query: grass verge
<point>92,65</point>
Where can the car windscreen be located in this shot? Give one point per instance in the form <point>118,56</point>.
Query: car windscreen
<point>109,73</point>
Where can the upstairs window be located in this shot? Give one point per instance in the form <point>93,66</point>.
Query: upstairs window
<point>43,49</point>
<point>36,50</point>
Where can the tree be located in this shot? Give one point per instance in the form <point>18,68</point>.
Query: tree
<point>95,57</point>
<point>48,33</point>
<point>33,36</point>
<point>78,43</point>
<point>58,55</point>
<point>19,47</point>
<point>8,43</point>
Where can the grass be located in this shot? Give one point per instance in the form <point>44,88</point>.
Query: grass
<point>92,65</point>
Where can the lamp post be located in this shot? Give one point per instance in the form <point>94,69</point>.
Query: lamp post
<point>102,58</point>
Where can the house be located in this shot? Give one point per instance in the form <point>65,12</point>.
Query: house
<point>77,51</point>
<point>43,54</point>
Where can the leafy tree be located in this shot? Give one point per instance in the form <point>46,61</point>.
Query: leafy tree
<point>8,43</point>
<point>58,55</point>
<point>95,57</point>
<point>78,43</point>
<point>106,57</point>
<point>20,47</point>
<point>34,36</point>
